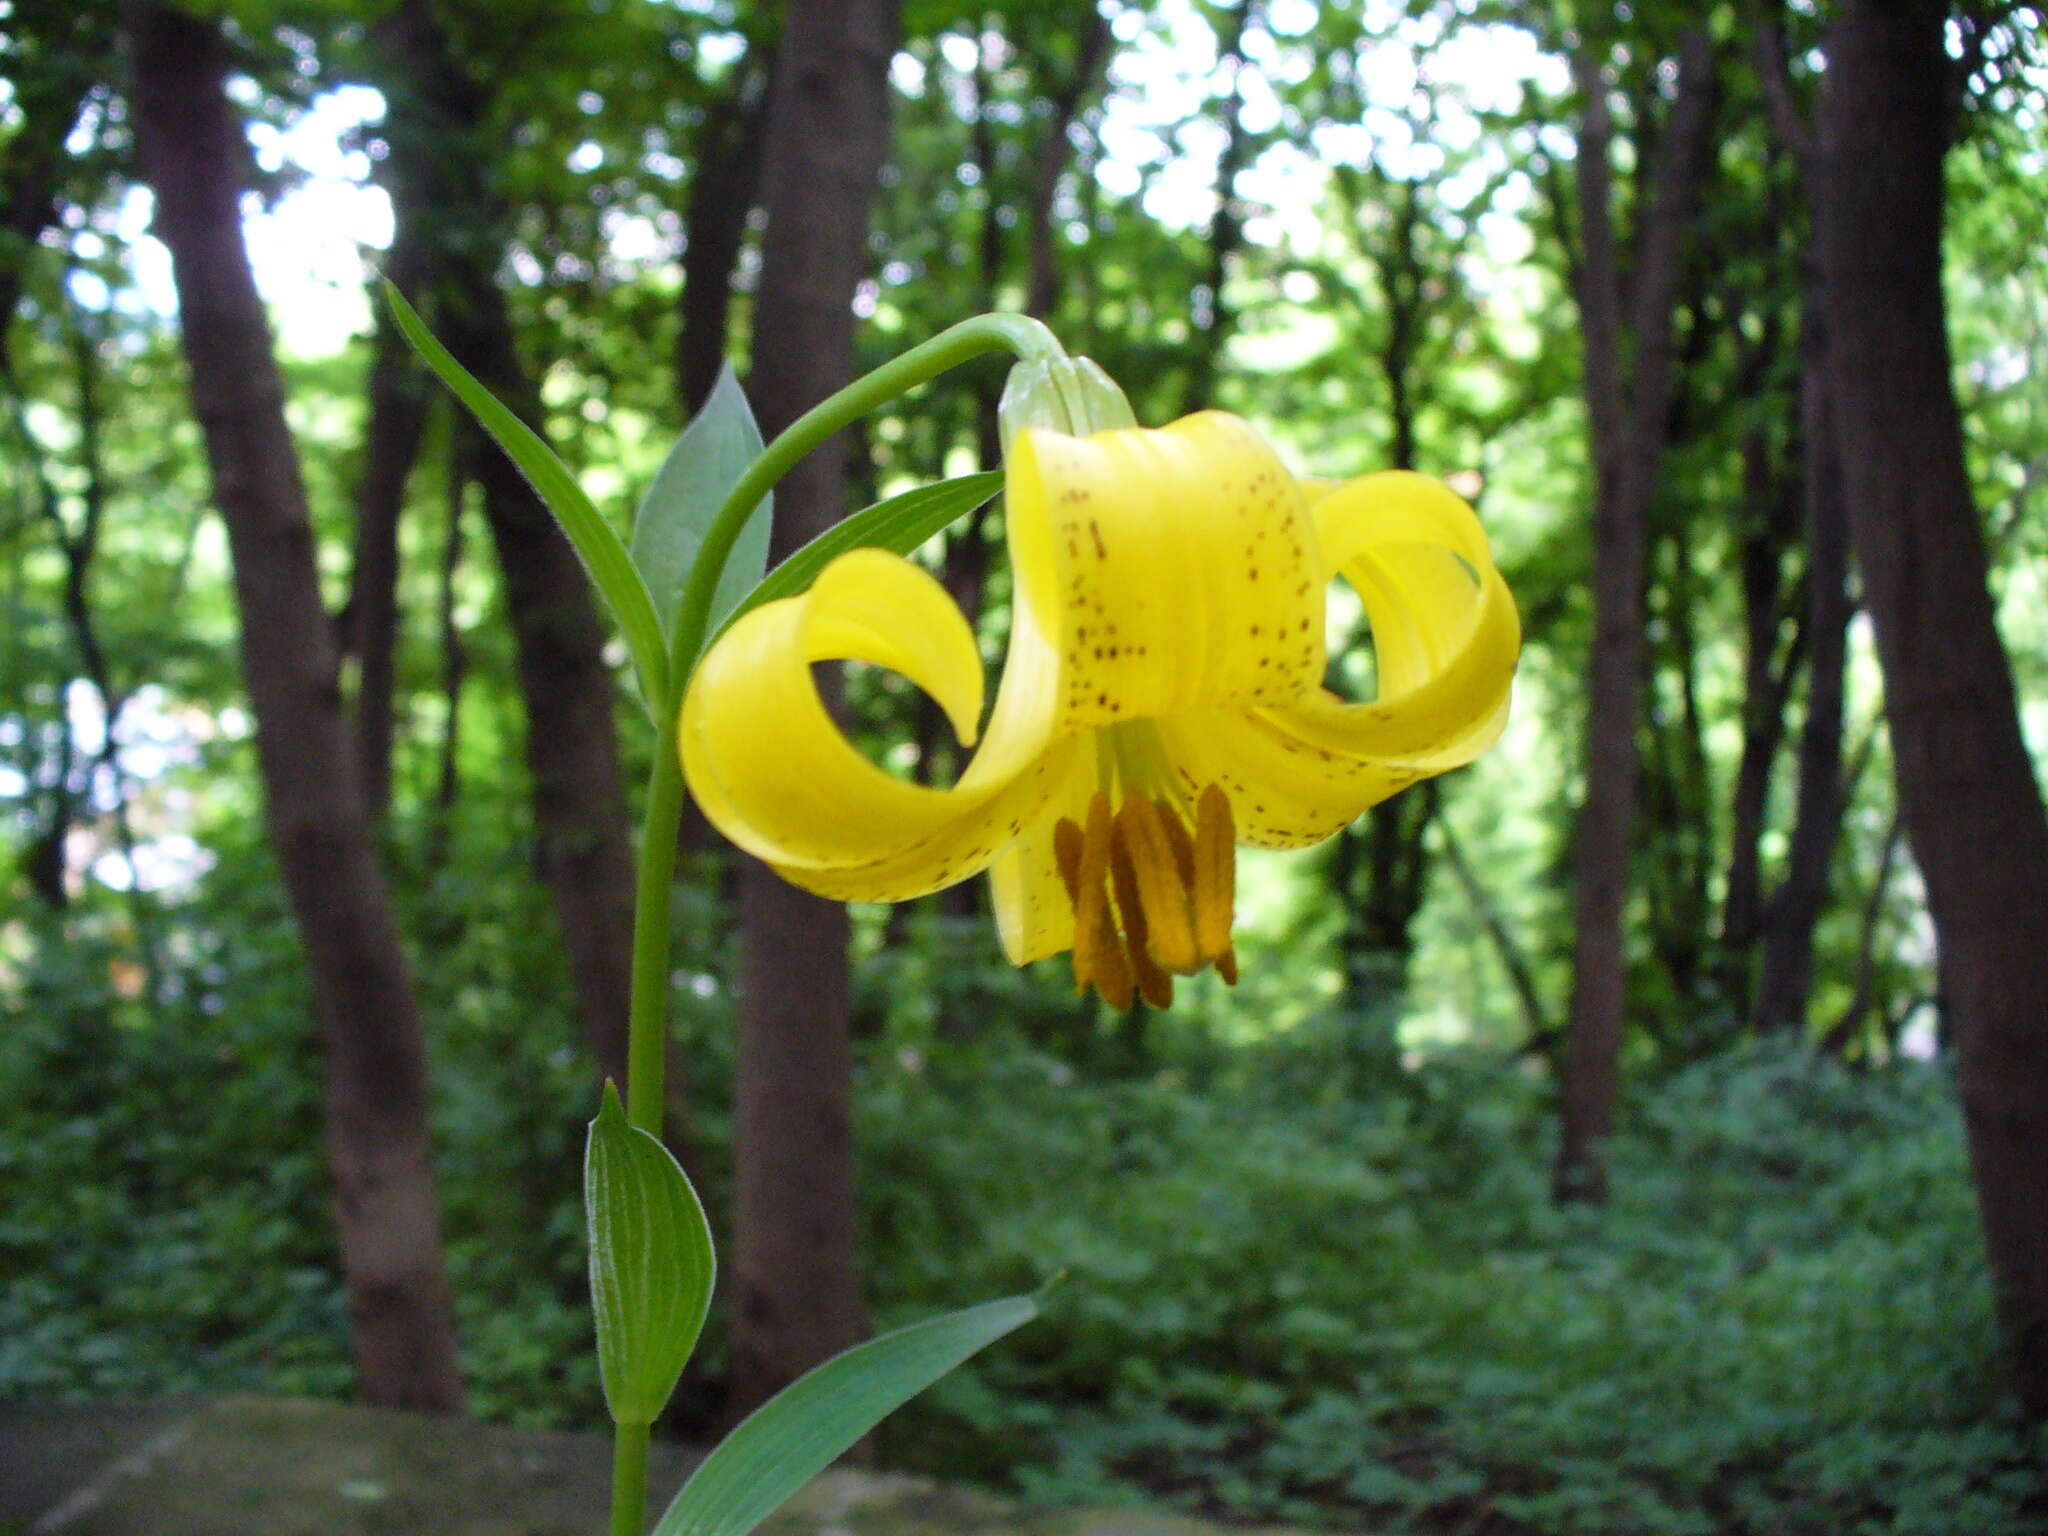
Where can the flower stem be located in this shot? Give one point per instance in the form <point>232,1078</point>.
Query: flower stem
<point>1019,334</point>
<point>647,1018</point>
<point>647,1015</point>
<point>629,1480</point>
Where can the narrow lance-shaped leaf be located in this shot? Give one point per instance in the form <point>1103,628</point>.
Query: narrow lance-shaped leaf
<point>804,1428</point>
<point>651,1264</point>
<point>668,530</point>
<point>600,549</point>
<point>899,525</point>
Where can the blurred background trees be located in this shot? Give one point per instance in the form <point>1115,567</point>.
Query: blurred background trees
<point>1732,322</point>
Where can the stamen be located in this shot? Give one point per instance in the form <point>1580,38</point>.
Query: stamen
<point>1154,985</point>
<point>1214,883</point>
<point>1160,890</point>
<point>1081,874</point>
<point>1094,930</point>
<point>1066,851</point>
<point>1183,846</point>
<point>1151,897</point>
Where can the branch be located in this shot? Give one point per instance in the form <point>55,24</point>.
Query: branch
<point>1054,151</point>
<point>1850,1023</point>
<point>1598,268</point>
<point>1790,124</point>
<point>1674,187</point>
<point>1543,1034</point>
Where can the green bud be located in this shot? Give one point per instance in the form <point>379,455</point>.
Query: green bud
<point>1070,395</point>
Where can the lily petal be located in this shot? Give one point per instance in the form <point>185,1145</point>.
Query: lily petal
<point>1034,916</point>
<point>1170,570</point>
<point>773,771</point>
<point>1446,636</point>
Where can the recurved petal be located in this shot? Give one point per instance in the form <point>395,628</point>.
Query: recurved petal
<point>772,770</point>
<point>1446,636</point>
<point>1033,910</point>
<point>1169,570</point>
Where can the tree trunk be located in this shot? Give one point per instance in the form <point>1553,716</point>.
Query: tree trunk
<point>1785,970</point>
<point>58,54</point>
<point>194,158</point>
<point>1769,663</point>
<point>439,116</point>
<point>1629,426</point>
<point>1226,229</point>
<point>454,654</point>
<point>1966,785</point>
<point>795,1264</point>
<point>583,840</point>
<point>1378,937</point>
<point>724,184</point>
<point>398,414</point>
<point>1091,49</point>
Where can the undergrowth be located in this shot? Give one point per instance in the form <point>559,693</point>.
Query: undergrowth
<point>1303,1283</point>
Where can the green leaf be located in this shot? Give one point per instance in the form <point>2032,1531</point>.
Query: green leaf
<point>804,1428</point>
<point>899,524</point>
<point>603,556</point>
<point>651,1264</point>
<point>668,530</point>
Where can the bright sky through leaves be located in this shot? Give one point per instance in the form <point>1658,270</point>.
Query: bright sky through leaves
<point>1160,134</point>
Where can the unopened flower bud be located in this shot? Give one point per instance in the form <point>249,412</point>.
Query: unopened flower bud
<point>1071,395</point>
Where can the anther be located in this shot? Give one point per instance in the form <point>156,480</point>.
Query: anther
<point>1161,892</point>
<point>1083,858</point>
<point>1151,898</point>
<point>1214,885</point>
<point>1154,985</point>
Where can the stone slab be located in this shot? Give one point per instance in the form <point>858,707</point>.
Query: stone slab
<point>249,1466</point>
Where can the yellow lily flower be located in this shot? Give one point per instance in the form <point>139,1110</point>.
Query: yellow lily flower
<point>1162,700</point>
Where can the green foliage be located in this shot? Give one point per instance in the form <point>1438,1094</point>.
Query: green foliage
<point>899,524</point>
<point>1306,1283</point>
<point>651,1264</point>
<point>618,580</point>
<point>808,1425</point>
<point>677,511</point>
<point>1296,1298</point>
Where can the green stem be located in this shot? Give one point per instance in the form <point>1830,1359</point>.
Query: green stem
<point>647,1013</point>
<point>647,1018</point>
<point>629,1480</point>
<point>1020,334</point>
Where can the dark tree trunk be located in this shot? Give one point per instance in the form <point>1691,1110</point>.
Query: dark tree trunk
<point>454,654</point>
<point>1629,420</point>
<point>1226,230</point>
<point>579,805</point>
<point>1543,1034</point>
<point>1785,970</point>
<point>724,185</point>
<point>1855,1019</point>
<point>1769,664</point>
<point>439,117</point>
<point>1966,785</point>
<point>194,158</point>
<point>1091,50</point>
<point>58,57</point>
<point>398,414</point>
<point>1388,847</point>
<point>795,1264</point>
